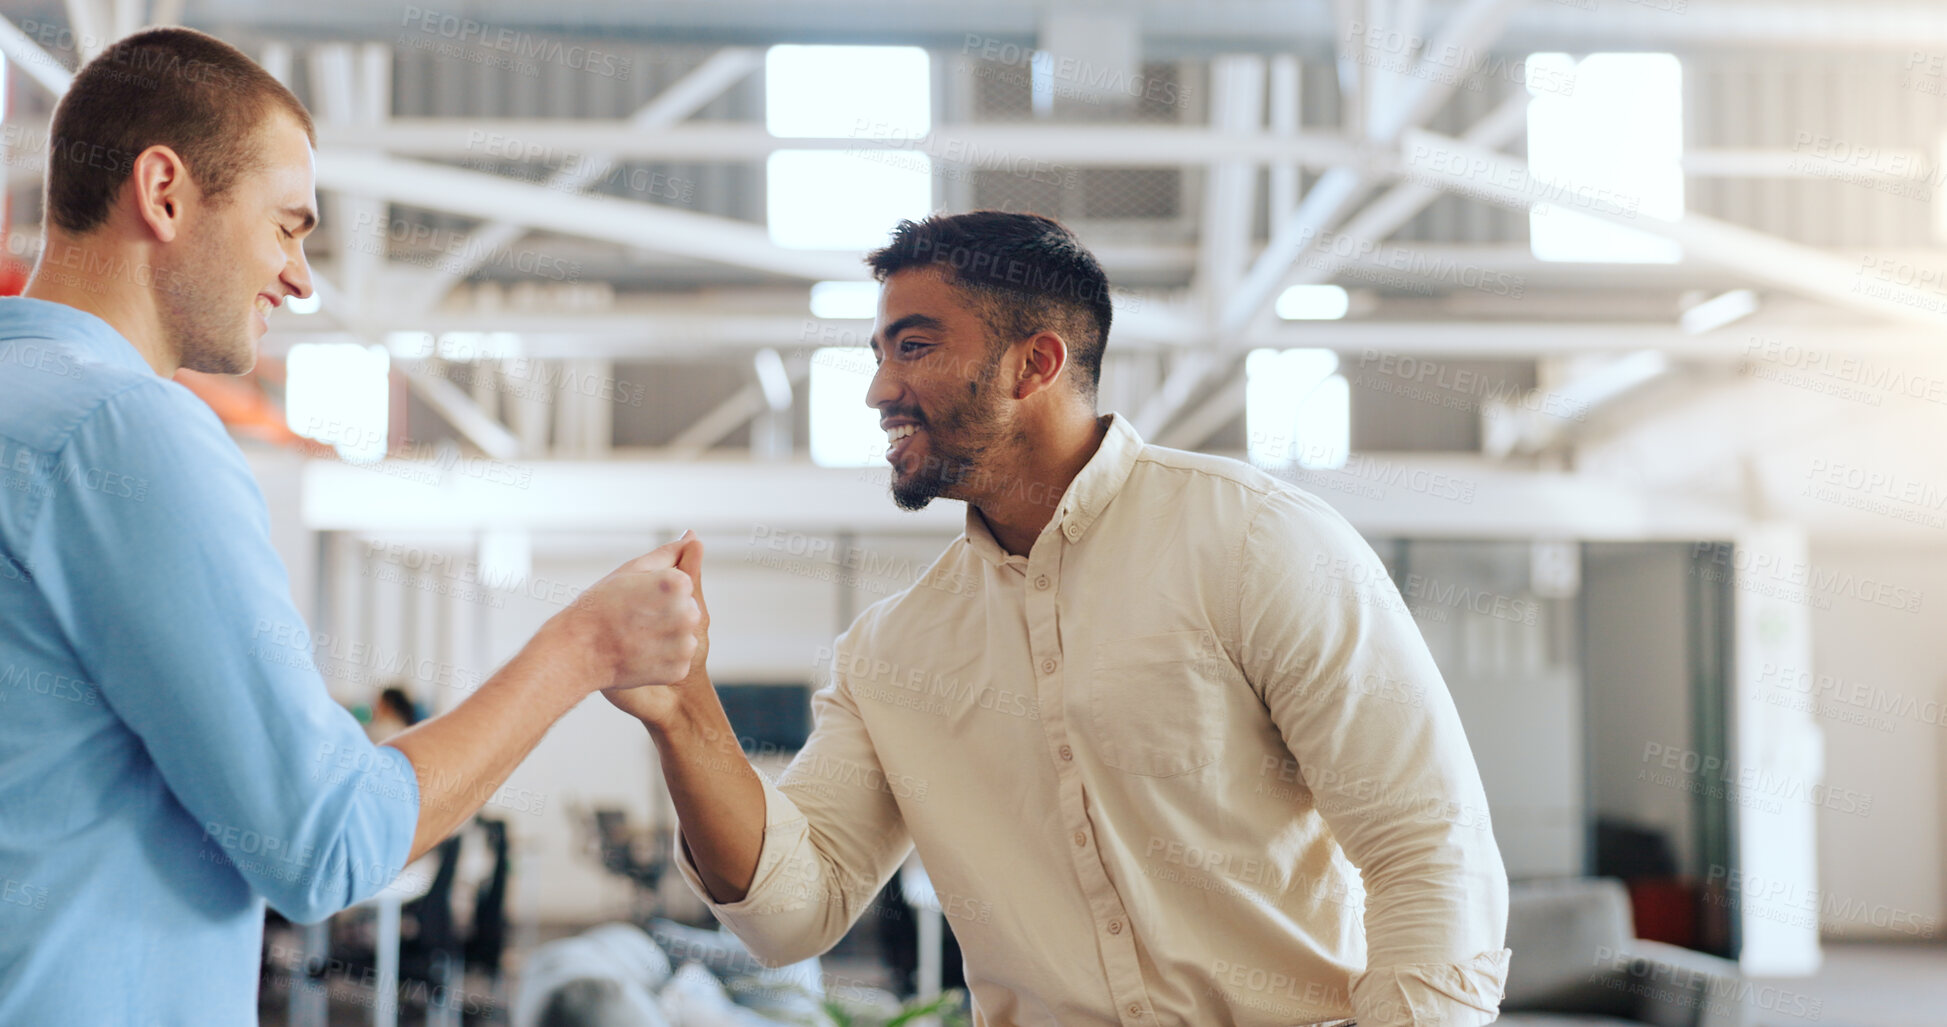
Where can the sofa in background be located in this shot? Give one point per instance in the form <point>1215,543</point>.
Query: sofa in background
<point>1578,963</point>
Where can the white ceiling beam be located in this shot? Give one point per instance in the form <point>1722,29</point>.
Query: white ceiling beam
<point>38,64</point>
<point>1593,384</point>
<point>627,223</point>
<point>1468,30</point>
<point>1483,174</point>
<point>995,146</point>
<point>1375,494</point>
<point>1379,219</point>
<point>679,100</point>
<point>664,336</point>
<point>1187,373</point>
<point>985,145</point>
<point>1168,26</point>
<point>1193,429</point>
<point>459,410</point>
<point>750,400</point>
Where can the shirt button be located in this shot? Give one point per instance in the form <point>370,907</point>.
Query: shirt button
<point>1135,1010</point>
<point>1080,839</point>
<point>1041,582</point>
<point>1115,927</point>
<point>1074,532</point>
<point>1048,666</point>
<point>1067,753</point>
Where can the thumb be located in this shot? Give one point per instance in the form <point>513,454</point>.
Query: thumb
<point>690,561</point>
<point>663,557</point>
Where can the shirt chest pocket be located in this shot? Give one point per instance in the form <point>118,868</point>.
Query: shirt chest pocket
<point>1156,703</point>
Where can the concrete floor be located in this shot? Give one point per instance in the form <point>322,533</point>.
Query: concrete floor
<point>1862,985</point>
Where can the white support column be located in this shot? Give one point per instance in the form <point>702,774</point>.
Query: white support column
<point>129,15</point>
<point>1287,111</point>
<point>91,21</point>
<point>770,432</point>
<point>354,90</point>
<point>1237,107</point>
<point>1347,15</point>
<point>1774,738</point>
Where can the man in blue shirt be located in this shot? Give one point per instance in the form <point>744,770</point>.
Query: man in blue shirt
<point>169,757</point>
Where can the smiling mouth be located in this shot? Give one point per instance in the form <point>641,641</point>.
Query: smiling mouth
<point>897,439</point>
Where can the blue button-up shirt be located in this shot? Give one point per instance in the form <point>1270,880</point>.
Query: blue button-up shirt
<point>169,756</point>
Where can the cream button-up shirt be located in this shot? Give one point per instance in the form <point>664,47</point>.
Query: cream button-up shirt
<point>1187,762</point>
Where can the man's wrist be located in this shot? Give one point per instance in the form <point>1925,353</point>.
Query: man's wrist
<point>683,719</point>
<point>572,646</point>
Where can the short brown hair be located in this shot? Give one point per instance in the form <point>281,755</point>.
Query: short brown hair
<point>174,87</point>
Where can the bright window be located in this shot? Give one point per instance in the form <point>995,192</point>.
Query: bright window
<point>844,431</point>
<point>1313,303</point>
<point>340,393</point>
<point>1297,409</point>
<point>1614,144</point>
<point>846,200</point>
<point>847,91</point>
<point>845,299</point>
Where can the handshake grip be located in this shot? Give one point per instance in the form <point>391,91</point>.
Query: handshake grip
<point>645,620</point>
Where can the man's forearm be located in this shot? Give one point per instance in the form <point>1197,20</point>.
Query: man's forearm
<point>462,757</point>
<point>717,794</point>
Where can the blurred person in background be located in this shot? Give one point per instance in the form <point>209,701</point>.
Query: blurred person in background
<point>170,758</point>
<point>392,713</point>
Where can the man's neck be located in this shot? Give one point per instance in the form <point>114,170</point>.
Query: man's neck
<point>103,280</point>
<point>1026,501</point>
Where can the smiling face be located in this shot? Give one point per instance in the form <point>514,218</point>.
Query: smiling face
<point>939,392</point>
<point>241,255</point>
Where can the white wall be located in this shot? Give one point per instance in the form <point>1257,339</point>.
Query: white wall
<point>1882,666</point>
<point>1514,681</point>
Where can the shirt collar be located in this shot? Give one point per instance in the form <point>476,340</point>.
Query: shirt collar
<point>1099,481</point>
<point>90,336</point>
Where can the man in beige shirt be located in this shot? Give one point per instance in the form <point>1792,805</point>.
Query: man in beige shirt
<point>1169,744</point>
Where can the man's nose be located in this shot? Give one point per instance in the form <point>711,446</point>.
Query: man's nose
<point>297,276</point>
<point>882,390</point>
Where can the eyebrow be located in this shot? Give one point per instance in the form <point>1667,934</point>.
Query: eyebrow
<point>304,214</point>
<point>909,321</point>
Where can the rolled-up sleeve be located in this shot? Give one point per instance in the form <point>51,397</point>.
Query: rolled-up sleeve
<point>164,580</point>
<point>1334,653</point>
<point>833,836</point>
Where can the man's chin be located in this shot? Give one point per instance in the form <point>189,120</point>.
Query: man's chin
<point>237,360</point>
<point>913,494</point>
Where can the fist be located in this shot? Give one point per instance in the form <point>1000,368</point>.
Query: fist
<point>660,706</point>
<point>642,619</point>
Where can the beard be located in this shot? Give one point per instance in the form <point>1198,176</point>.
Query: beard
<point>955,443</point>
<point>200,316</point>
